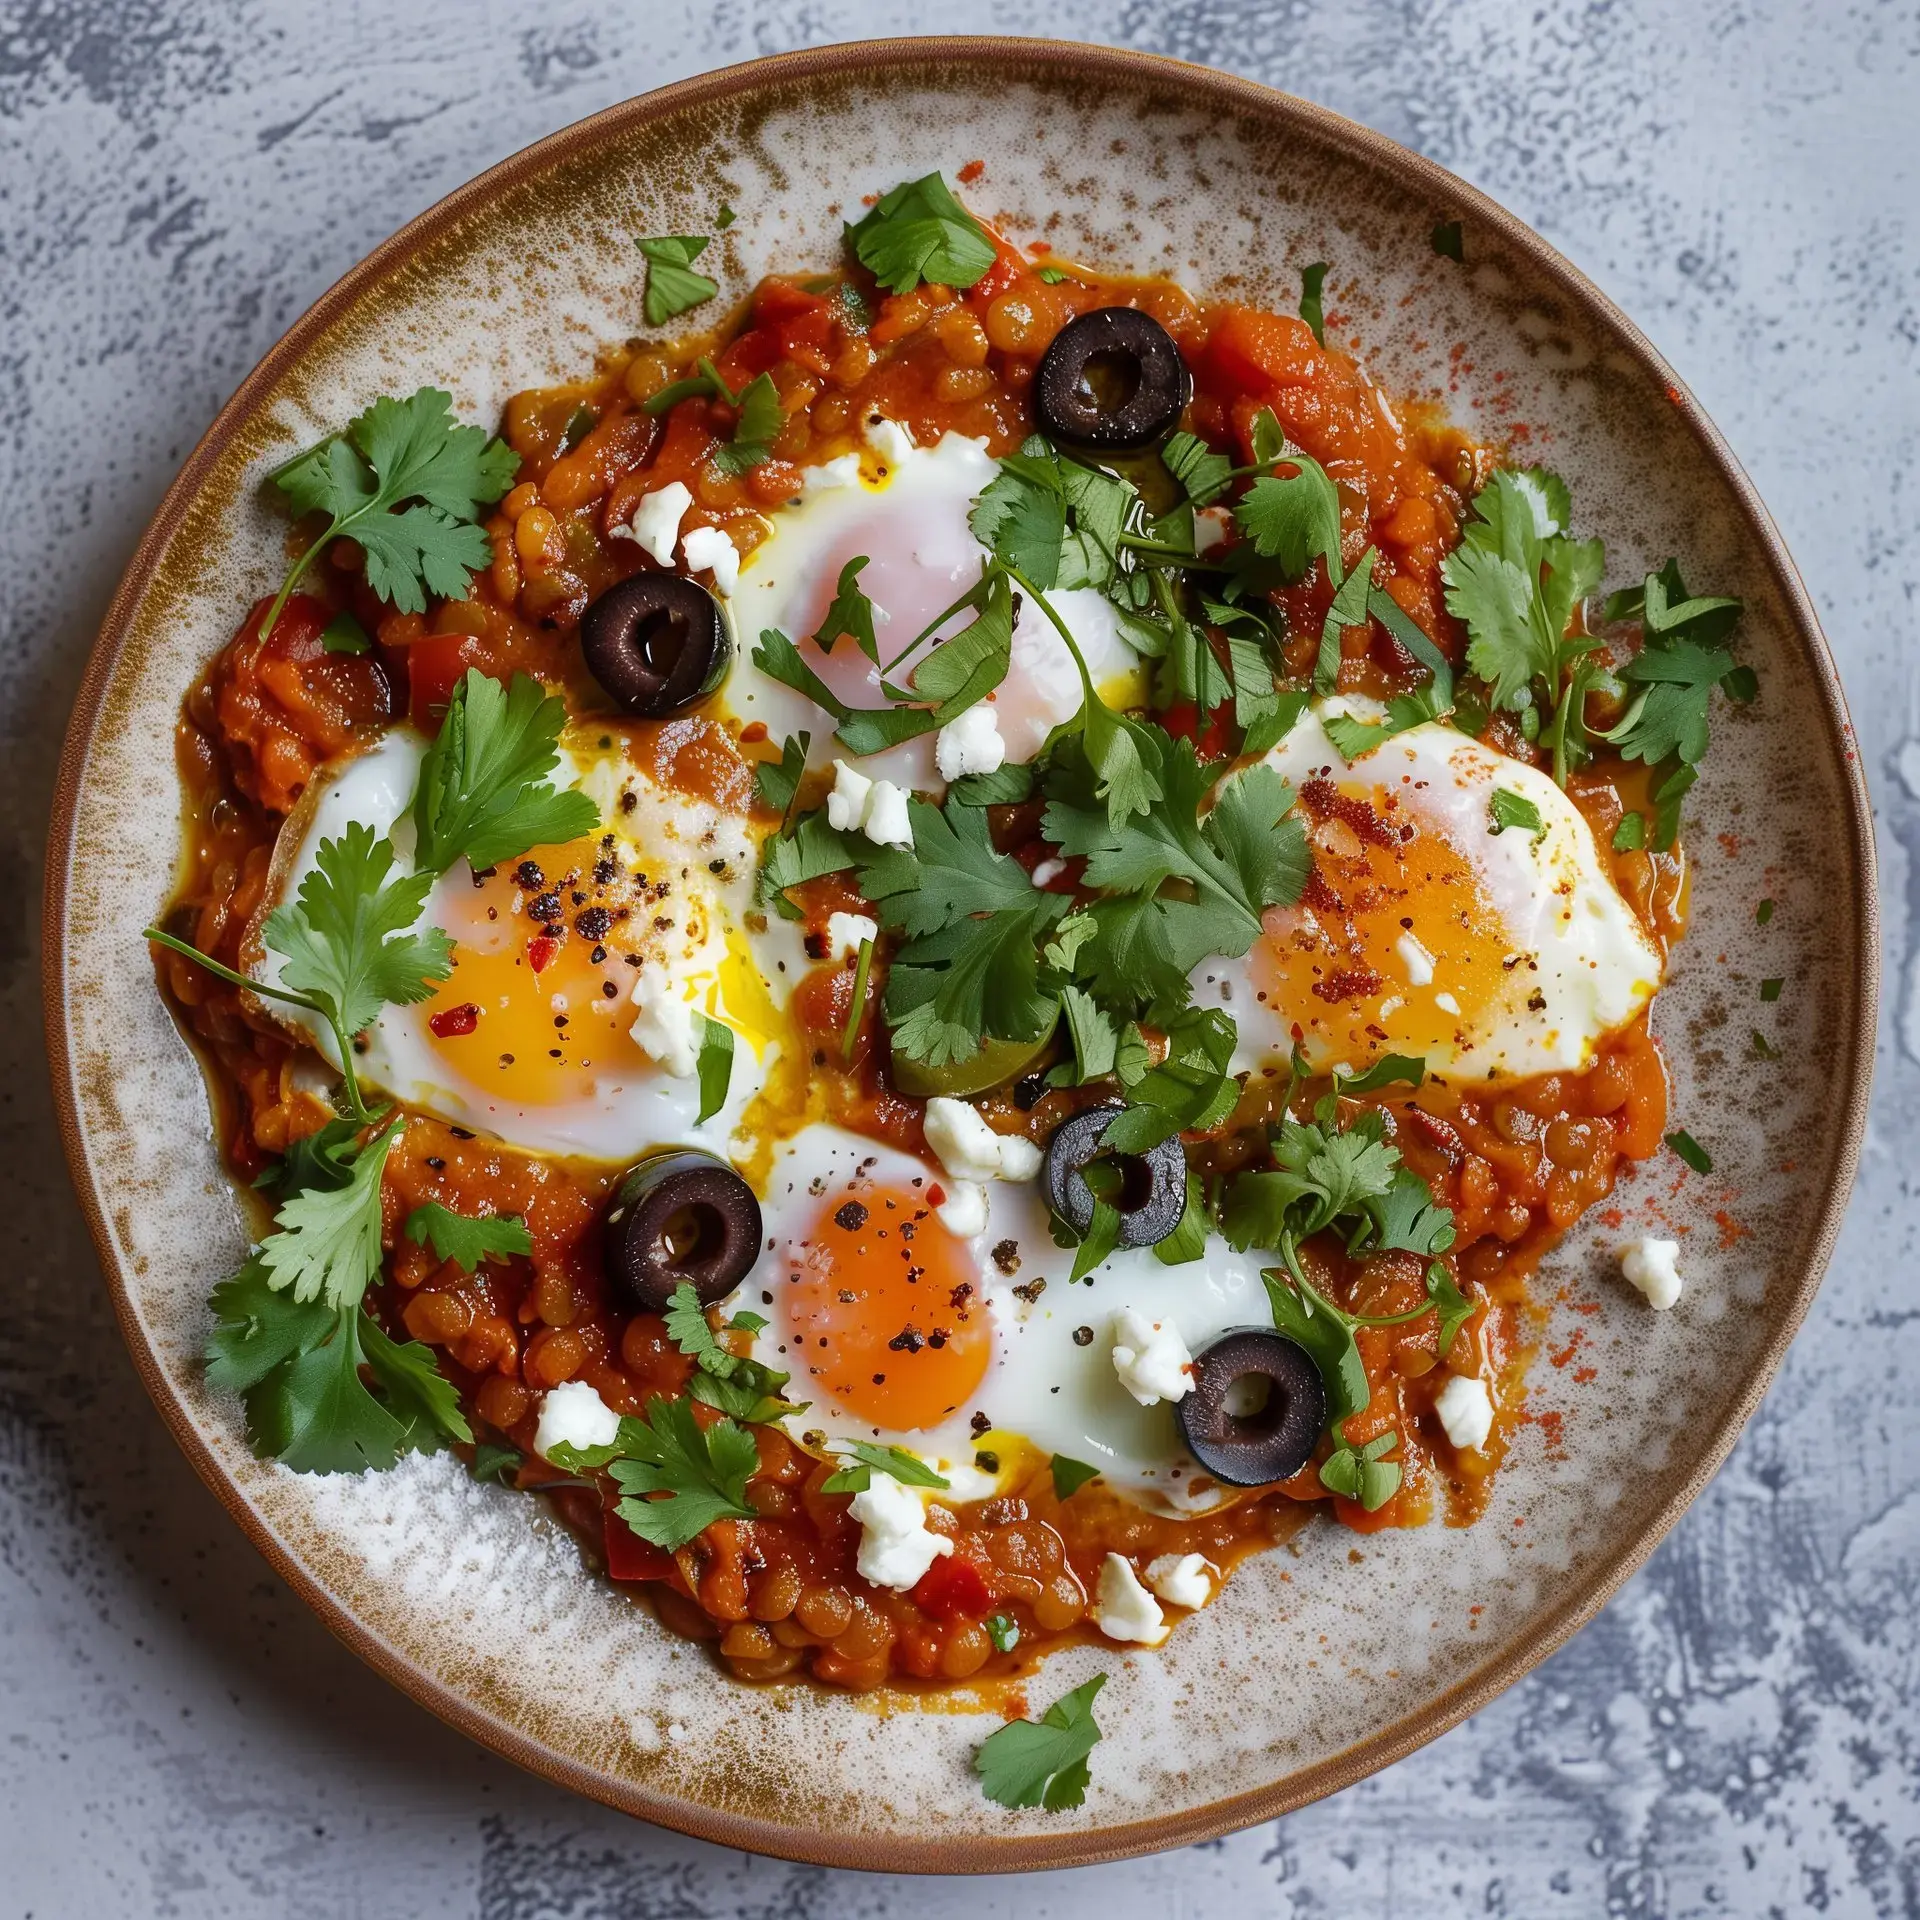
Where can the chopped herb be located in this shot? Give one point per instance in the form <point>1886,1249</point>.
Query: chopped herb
<point>1770,990</point>
<point>724,219</point>
<point>1763,1048</point>
<point>1294,518</point>
<point>851,614</point>
<point>702,1472</point>
<point>869,1459</point>
<point>407,483</point>
<point>1631,834</point>
<point>1312,279</point>
<point>742,1387</point>
<point>467,1241</point>
<point>778,782</point>
<point>1043,1763</point>
<point>673,288</point>
<point>1448,241</point>
<point>715,1067</point>
<point>920,232</point>
<point>1006,786</point>
<point>1069,1476</point>
<point>857,1000</point>
<point>1365,1475</point>
<point>759,419</point>
<point>580,423</point>
<point>1509,809</point>
<point>491,1461</point>
<point>1390,1070</point>
<point>1455,1308</point>
<point>1003,1632</point>
<point>1691,1151</point>
<point>344,634</point>
<point>1051,276</point>
<point>1763,912</point>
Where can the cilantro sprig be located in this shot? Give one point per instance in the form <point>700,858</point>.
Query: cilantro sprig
<point>1043,1763</point>
<point>744,1388</point>
<point>673,288</point>
<point>865,1459</point>
<point>466,1240</point>
<point>406,482</point>
<point>919,232</point>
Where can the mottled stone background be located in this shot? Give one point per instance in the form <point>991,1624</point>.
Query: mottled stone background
<point>1739,1733</point>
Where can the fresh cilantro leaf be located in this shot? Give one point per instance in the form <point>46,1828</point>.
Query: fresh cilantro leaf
<point>1668,718</point>
<point>1509,809</point>
<point>1404,1219</point>
<point>1053,521</point>
<point>347,941</point>
<point>1454,1307</point>
<point>673,288</point>
<point>416,1392</point>
<point>787,860</point>
<point>401,451</point>
<point>1201,473</point>
<point>1099,1241</point>
<point>1433,701</point>
<point>851,614</point>
<point>1043,1763</point>
<point>483,790</point>
<point>920,232</point>
<point>1293,518</point>
<point>457,1237</point>
<point>1763,1048</point>
<point>778,782</point>
<point>1770,990</point>
<point>1329,1343</point>
<point>1002,1631</point>
<point>1192,1089</point>
<point>1006,786</point>
<point>257,1329</point>
<point>322,1160</point>
<point>1390,1070</point>
<point>1349,609</point>
<point>1448,241</point>
<point>1691,1151</point>
<point>491,1461</point>
<point>701,1472</point>
<point>1095,1036</point>
<point>1763,913</point>
<point>1667,798</point>
<point>1188,1240</point>
<point>1069,1476</point>
<point>715,1067</point>
<point>758,419</point>
<point>1631,834</point>
<point>344,634</point>
<point>580,423</point>
<point>895,1462</point>
<point>328,1243</point>
<point>1365,1474</point>
<point>1312,279</point>
<point>745,1388</point>
<point>724,219</point>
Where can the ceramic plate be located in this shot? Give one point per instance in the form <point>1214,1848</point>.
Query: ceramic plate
<point>1320,1662</point>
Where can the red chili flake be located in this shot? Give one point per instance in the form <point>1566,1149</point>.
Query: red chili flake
<point>937,1195</point>
<point>1349,983</point>
<point>952,1588</point>
<point>540,952</point>
<point>971,172</point>
<point>451,1022</point>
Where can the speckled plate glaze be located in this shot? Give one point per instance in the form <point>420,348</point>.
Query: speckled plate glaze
<point>1321,1662</point>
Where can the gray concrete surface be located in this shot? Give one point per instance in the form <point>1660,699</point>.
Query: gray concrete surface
<point>1738,1734</point>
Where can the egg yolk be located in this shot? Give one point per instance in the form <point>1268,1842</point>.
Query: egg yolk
<point>529,1014</point>
<point>1393,945</point>
<point>883,1311</point>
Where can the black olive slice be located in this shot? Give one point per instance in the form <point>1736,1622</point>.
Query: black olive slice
<point>656,643</point>
<point>1112,381</point>
<point>1257,1409</point>
<point>680,1216</point>
<point>1153,1185</point>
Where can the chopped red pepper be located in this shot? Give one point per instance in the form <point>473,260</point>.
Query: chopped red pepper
<point>631,1558</point>
<point>951,1588</point>
<point>451,1022</point>
<point>540,951</point>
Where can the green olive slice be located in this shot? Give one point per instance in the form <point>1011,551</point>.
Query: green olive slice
<point>997,1062</point>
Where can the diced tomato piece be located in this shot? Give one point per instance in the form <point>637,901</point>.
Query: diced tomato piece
<point>452,1022</point>
<point>952,1588</point>
<point>1215,742</point>
<point>1251,352</point>
<point>777,300</point>
<point>631,1558</point>
<point>540,951</point>
<point>435,666</point>
<point>1006,269</point>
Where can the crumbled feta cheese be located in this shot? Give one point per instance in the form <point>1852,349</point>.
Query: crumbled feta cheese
<point>1123,1609</point>
<point>1210,528</point>
<point>847,803</point>
<point>1654,1267</point>
<point>1465,1408</point>
<point>969,1149</point>
<point>656,521</point>
<point>964,1211</point>
<point>1447,1004</point>
<point>887,823</point>
<point>970,744</point>
<point>896,1544</point>
<point>1416,959</point>
<point>830,475</point>
<point>710,548</point>
<point>889,439</point>
<point>1151,1359</point>
<point>667,1026</point>
<point>848,933</point>
<point>1182,1579</point>
<point>574,1415</point>
<point>1048,871</point>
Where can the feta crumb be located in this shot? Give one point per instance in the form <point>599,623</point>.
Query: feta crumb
<point>1183,1579</point>
<point>1047,872</point>
<point>1150,1358</point>
<point>847,803</point>
<point>887,823</point>
<point>889,439</point>
<point>1123,1609</point>
<point>848,933</point>
<point>1447,1004</point>
<point>969,1149</point>
<point>1416,959</point>
<point>667,1026</point>
<point>970,744</point>
<point>830,475</point>
<point>655,522</point>
<point>710,548</point>
<point>1654,1267</point>
<point>1210,527</point>
<point>896,1544</point>
<point>1465,1408</point>
<point>964,1211</point>
<point>574,1415</point>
